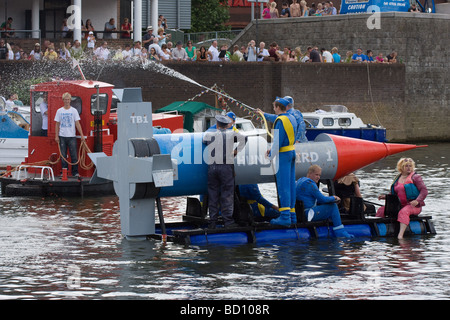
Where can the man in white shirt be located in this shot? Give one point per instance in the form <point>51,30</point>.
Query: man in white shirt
<point>213,52</point>
<point>127,53</point>
<point>102,53</point>
<point>178,53</point>
<point>262,51</point>
<point>66,120</point>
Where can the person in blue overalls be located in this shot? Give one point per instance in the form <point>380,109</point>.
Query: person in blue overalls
<point>283,148</point>
<point>317,206</point>
<point>261,207</point>
<point>301,126</point>
<point>221,152</point>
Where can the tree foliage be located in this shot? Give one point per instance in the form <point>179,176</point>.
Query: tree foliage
<point>209,15</point>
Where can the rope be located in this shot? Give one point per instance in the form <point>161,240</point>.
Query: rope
<point>370,93</point>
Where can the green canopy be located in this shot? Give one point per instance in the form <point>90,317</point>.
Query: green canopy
<point>190,110</point>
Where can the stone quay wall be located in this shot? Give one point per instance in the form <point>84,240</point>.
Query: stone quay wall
<point>410,99</point>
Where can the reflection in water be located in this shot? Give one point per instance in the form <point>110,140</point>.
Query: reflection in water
<point>47,244</point>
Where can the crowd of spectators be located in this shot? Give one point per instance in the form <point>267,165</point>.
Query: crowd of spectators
<point>157,46</point>
<point>159,49</point>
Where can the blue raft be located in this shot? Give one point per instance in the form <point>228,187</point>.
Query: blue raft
<point>193,229</point>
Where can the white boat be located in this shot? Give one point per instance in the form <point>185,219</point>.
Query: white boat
<point>14,130</point>
<point>337,120</point>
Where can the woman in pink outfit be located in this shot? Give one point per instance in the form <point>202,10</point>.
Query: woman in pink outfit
<point>411,191</point>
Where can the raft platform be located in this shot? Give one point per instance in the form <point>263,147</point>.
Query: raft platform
<point>193,230</point>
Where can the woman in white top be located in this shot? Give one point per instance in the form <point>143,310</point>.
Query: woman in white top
<point>165,54</point>
<point>36,54</point>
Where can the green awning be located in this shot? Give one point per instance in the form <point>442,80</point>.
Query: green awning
<point>189,110</point>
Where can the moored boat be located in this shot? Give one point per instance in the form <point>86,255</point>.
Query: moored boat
<point>337,120</point>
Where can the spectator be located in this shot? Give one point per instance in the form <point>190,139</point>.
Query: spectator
<point>295,9</point>
<point>314,55</point>
<point>251,51</point>
<point>319,11</point>
<point>358,56</point>
<point>326,9</point>
<point>36,53</point>
<point>178,53</point>
<point>285,12</point>
<point>392,58</point>
<point>3,50</point>
<point>137,50</point>
<point>118,55</point>
<point>88,28</point>
<point>63,53</point>
<point>191,51</point>
<point>298,53</point>
<point>304,9</point>
<point>285,54</point>
<point>266,11</point>
<point>369,56</point>
<point>148,38</point>
<point>213,51</point>
<point>50,54</point>
<point>76,51</point>
<point>333,10</point>
<point>144,55</point>
<point>348,57</point>
<point>19,53</point>
<point>336,56</point>
<point>413,8</point>
<point>102,52</point>
<point>244,53</point>
<point>10,52</point>
<point>262,52</point>
<point>273,53</point>
<point>127,54</point>
<point>110,26</point>
<point>237,54</point>
<point>163,21</point>
<point>312,10</point>
<point>91,41</point>
<point>273,10</point>
<point>162,37</point>
<point>170,46</point>
<point>126,29</point>
<point>7,25</point>
<point>202,54</point>
<point>165,53</point>
<point>153,55</point>
<point>326,55</point>
<point>305,58</point>
<point>65,31</point>
<point>379,58</point>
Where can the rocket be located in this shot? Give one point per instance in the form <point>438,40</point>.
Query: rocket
<point>336,155</point>
<point>145,167</point>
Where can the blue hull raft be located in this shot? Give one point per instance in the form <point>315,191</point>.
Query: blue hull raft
<point>193,230</point>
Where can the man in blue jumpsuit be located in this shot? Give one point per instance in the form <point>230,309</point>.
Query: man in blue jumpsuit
<point>318,206</point>
<point>301,126</point>
<point>261,207</point>
<point>221,151</point>
<point>283,154</point>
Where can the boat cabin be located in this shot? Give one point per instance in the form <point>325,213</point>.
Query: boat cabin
<point>92,100</point>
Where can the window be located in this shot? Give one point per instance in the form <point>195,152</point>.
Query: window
<point>245,126</point>
<point>345,122</point>
<point>313,121</point>
<point>327,122</point>
<point>102,103</point>
<point>76,103</point>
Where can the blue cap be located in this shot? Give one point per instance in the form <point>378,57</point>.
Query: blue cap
<point>291,101</point>
<point>283,101</point>
<point>231,115</point>
<point>222,120</point>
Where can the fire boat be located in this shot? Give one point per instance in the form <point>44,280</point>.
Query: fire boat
<point>41,174</point>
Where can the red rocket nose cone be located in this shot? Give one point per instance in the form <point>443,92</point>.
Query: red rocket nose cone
<point>354,154</point>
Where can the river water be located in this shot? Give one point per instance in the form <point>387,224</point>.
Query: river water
<point>73,249</point>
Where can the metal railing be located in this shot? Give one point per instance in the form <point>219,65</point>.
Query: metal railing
<point>28,34</point>
<point>205,37</point>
